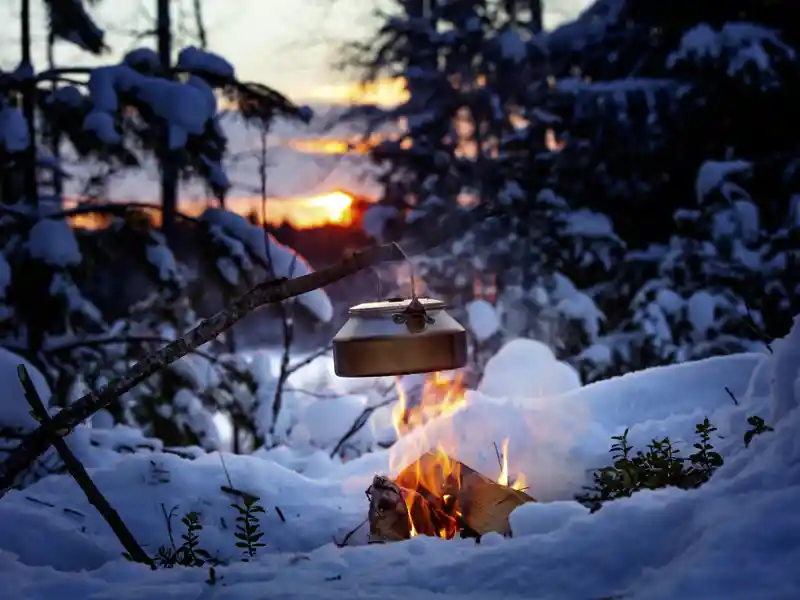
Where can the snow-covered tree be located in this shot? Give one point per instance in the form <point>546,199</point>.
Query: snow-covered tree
<point>65,300</point>
<point>615,164</point>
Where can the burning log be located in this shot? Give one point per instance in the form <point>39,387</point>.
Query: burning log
<point>388,515</point>
<point>441,497</point>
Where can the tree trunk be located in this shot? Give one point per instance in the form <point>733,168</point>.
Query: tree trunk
<point>537,16</point>
<point>55,134</point>
<point>29,106</point>
<point>199,23</point>
<point>169,172</point>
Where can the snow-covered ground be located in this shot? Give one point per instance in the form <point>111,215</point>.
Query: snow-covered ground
<point>738,536</point>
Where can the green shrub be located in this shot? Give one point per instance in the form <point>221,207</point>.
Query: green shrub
<point>660,465</point>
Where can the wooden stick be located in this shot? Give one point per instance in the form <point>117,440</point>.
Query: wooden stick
<point>81,477</point>
<point>34,444</point>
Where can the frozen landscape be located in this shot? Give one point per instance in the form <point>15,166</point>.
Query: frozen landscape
<point>736,537</point>
<point>609,211</point>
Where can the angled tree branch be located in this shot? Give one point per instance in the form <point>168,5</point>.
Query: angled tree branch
<point>34,444</point>
<point>81,477</point>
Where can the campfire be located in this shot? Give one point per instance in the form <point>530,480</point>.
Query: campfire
<point>435,494</point>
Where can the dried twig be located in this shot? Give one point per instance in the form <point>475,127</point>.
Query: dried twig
<point>359,422</point>
<point>34,444</point>
<point>79,474</point>
<point>362,420</point>
<point>308,359</point>
<point>349,534</point>
<point>733,397</point>
<point>498,454</point>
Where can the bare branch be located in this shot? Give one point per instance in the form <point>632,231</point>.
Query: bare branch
<point>79,474</point>
<point>34,444</point>
<point>308,359</point>
<point>199,23</point>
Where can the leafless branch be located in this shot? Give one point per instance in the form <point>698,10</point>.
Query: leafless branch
<point>362,419</point>
<point>308,359</point>
<point>34,444</point>
<point>79,474</point>
<point>199,23</point>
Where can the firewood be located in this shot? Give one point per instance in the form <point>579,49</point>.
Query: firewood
<point>388,515</point>
<point>486,505</point>
<point>478,504</point>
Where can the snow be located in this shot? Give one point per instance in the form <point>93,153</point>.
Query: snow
<point>161,257</point>
<point>14,130</point>
<point>187,107</point>
<point>322,424</point>
<point>483,320</point>
<point>512,46</point>
<point>701,309</point>
<point>143,59</point>
<point>525,368</point>
<point>376,217</point>
<point>15,409</point>
<point>734,538</point>
<point>200,62</point>
<point>589,223</point>
<point>103,127</point>
<point>237,232</point>
<point>751,48</point>
<point>785,379</point>
<point>712,175</point>
<point>53,242</point>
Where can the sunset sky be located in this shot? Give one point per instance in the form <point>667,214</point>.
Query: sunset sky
<point>288,44</point>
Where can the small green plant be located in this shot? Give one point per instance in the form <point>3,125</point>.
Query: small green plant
<point>757,427</point>
<point>661,465</point>
<point>705,460</point>
<point>189,553</point>
<point>248,527</point>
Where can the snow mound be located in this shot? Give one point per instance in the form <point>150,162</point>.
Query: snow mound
<point>525,369</point>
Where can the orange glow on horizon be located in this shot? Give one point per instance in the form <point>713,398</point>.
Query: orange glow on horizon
<point>332,208</point>
<point>336,146</point>
<point>383,92</point>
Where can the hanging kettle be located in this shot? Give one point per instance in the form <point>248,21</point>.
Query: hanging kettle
<point>399,337</point>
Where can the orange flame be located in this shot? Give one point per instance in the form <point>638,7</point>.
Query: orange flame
<point>440,396</point>
<point>518,483</point>
<point>432,482</point>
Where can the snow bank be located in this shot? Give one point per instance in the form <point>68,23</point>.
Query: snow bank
<point>736,537</point>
